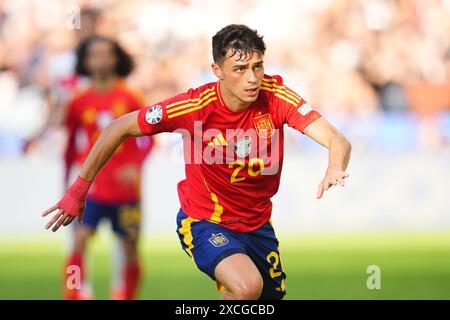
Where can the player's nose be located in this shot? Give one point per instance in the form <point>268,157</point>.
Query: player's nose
<point>252,77</point>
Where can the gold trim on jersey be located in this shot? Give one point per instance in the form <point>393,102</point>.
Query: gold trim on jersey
<point>186,232</point>
<point>293,103</point>
<point>191,99</point>
<point>191,109</point>
<point>271,81</point>
<point>280,96</point>
<point>193,104</point>
<point>281,92</point>
<point>218,209</point>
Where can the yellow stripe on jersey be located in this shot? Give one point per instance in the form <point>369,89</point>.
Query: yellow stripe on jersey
<point>269,82</point>
<point>269,79</point>
<point>288,91</point>
<point>218,209</point>
<point>191,109</point>
<point>281,96</point>
<point>190,100</point>
<point>186,232</point>
<point>286,99</point>
<point>218,141</point>
<point>184,106</point>
<point>281,91</point>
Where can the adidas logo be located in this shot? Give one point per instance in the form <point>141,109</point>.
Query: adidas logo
<point>218,141</point>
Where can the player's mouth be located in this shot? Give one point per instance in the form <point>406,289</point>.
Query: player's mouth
<point>252,91</point>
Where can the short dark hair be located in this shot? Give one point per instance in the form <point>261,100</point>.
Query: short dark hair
<point>240,39</point>
<point>124,61</point>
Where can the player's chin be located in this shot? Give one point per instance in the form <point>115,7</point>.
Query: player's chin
<point>249,99</point>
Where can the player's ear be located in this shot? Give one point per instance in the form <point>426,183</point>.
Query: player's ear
<point>217,70</point>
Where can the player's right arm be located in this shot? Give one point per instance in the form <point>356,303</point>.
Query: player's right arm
<point>109,140</point>
<point>178,112</point>
<point>73,202</point>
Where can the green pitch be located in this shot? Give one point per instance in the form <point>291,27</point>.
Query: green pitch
<point>413,266</point>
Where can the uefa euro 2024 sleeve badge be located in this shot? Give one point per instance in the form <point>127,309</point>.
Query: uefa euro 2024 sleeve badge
<point>154,114</point>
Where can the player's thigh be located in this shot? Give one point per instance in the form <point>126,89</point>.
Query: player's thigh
<point>206,243</point>
<point>81,235</point>
<point>238,273</point>
<point>82,232</point>
<point>126,223</point>
<point>262,247</point>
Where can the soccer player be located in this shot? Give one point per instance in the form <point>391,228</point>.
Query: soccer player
<point>233,143</point>
<point>115,193</point>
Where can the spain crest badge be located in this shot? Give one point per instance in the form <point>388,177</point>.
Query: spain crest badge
<point>218,239</point>
<point>264,125</point>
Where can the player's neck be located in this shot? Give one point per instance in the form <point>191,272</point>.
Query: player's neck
<point>103,84</point>
<point>230,100</point>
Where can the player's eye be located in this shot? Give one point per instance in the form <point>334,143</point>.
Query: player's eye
<point>258,67</point>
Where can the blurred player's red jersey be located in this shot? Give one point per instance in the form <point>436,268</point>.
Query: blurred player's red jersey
<point>87,115</point>
<point>235,193</point>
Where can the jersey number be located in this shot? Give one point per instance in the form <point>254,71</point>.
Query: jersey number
<point>241,165</point>
<point>274,260</point>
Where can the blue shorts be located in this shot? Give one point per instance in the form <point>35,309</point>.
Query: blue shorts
<point>208,243</point>
<point>125,218</point>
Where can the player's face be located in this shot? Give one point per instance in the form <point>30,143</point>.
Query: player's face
<point>101,59</point>
<point>241,79</point>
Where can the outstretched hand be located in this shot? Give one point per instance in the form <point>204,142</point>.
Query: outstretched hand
<point>332,178</point>
<point>62,218</point>
<point>72,205</point>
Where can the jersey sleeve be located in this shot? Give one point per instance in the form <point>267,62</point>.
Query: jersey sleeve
<point>172,114</point>
<point>289,106</point>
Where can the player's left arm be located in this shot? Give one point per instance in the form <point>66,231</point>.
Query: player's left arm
<point>339,149</point>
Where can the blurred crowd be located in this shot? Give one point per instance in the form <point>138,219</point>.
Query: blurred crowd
<point>379,69</point>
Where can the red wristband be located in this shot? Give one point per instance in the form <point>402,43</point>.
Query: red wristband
<point>75,196</point>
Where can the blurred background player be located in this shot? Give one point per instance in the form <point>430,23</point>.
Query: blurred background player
<point>115,195</point>
<point>62,82</point>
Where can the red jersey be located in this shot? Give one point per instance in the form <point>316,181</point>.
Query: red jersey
<point>87,115</point>
<point>231,174</point>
